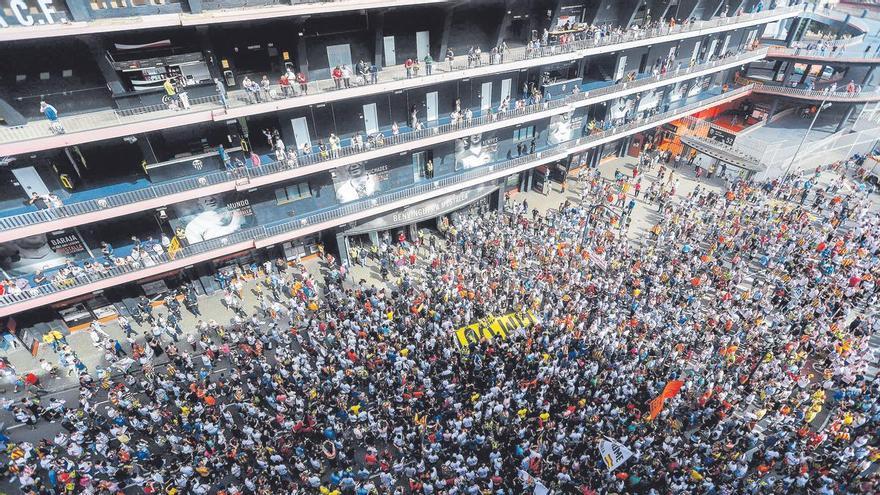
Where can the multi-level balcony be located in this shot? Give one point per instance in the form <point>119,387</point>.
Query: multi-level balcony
<point>95,206</point>
<point>106,124</point>
<point>76,281</point>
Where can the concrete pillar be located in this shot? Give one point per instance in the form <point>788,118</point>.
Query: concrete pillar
<point>776,67</point>
<point>447,28</point>
<point>868,76</point>
<point>195,6</point>
<point>788,70</point>
<point>10,115</point>
<point>379,42</point>
<point>208,51</point>
<point>807,72</point>
<point>804,29</point>
<point>80,11</point>
<point>499,201</point>
<point>773,107</point>
<point>529,177</point>
<point>846,116</point>
<point>302,55</point>
<point>343,248</point>
<point>794,26</point>
<point>143,142</point>
<point>114,83</point>
<point>504,24</point>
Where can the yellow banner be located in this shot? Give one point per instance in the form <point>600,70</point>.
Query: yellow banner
<point>492,327</point>
<point>174,247</point>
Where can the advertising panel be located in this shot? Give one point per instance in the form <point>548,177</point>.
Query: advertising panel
<point>213,216</point>
<point>42,251</point>
<point>562,128</point>
<point>358,180</point>
<point>475,150</point>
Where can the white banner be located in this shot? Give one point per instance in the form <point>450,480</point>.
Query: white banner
<point>613,453</point>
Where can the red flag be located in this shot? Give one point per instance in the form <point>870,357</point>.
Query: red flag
<point>672,387</point>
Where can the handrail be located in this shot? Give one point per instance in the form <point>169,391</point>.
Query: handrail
<point>848,41</point>
<point>842,96</point>
<point>246,238</point>
<point>695,122</point>
<point>238,99</point>
<point>839,57</point>
<point>202,181</point>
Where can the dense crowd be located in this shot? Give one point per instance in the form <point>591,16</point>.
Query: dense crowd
<point>754,298</point>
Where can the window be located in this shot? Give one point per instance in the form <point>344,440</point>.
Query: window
<point>524,133</point>
<point>21,77</point>
<point>44,76</point>
<point>293,192</point>
<point>67,73</point>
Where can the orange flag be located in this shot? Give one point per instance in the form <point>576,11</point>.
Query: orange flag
<point>669,391</point>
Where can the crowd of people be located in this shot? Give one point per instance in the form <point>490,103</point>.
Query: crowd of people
<point>756,299</point>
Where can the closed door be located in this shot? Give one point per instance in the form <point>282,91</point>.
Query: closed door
<point>390,56</point>
<point>339,55</point>
<point>486,96</point>
<point>423,44</point>
<point>371,120</point>
<point>300,131</point>
<point>505,89</point>
<point>431,106</point>
<point>30,181</point>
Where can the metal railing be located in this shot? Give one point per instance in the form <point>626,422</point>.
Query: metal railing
<point>843,42</point>
<point>290,227</point>
<point>113,200</point>
<point>239,98</point>
<point>695,128</point>
<point>196,182</point>
<point>839,56</point>
<point>840,95</point>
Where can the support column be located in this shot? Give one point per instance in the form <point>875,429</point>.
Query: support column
<point>803,30</point>
<point>807,72</point>
<point>776,67</point>
<point>343,248</point>
<point>79,10</point>
<point>505,23</point>
<point>868,76</point>
<point>208,51</point>
<point>846,116</point>
<point>146,148</point>
<point>114,83</point>
<point>10,115</point>
<point>195,6</point>
<point>788,70</point>
<point>794,26</point>
<point>447,28</point>
<point>379,42</point>
<point>302,55</point>
<point>773,107</point>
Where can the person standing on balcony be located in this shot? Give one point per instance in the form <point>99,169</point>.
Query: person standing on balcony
<point>51,114</point>
<point>221,90</point>
<point>429,62</point>
<point>303,82</point>
<point>336,74</point>
<point>284,82</point>
<point>265,87</point>
<point>346,75</point>
<point>408,65</point>
<point>450,57</point>
<point>374,74</point>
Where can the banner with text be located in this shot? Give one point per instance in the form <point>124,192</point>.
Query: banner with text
<point>491,327</point>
